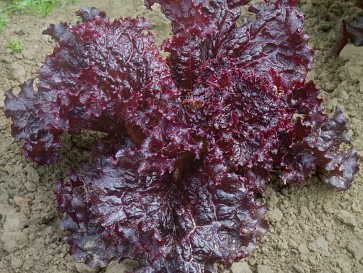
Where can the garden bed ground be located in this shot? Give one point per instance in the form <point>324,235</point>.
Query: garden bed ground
<point>313,229</point>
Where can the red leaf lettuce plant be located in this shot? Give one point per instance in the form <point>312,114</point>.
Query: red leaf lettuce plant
<point>191,141</point>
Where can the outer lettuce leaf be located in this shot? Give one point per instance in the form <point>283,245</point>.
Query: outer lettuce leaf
<point>89,242</point>
<point>339,165</point>
<point>183,14</point>
<point>191,46</point>
<point>315,143</point>
<point>168,224</point>
<point>274,41</point>
<point>354,33</point>
<point>103,76</point>
<point>41,145</point>
<point>104,72</point>
<point>56,30</point>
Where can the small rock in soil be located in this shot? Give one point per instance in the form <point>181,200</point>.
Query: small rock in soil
<point>298,269</point>
<point>13,238</point>
<point>303,249</point>
<point>6,59</point>
<point>264,269</point>
<point>275,215</point>
<point>345,266</point>
<point>29,53</point>
<point>241,267</point>
<point>15,262</point>
<point>21,201</point>
<point>282,246</point>
<point>116,267</point>
<point>15,221</point>
<point>356,249</point>
<point>17,71</point>
<point>32,176</point>
<point>82,268</point>
<point>19,31</point>
<point>322,244</point>
<point>28,264</point>
<point>346,218</point>
<point>330,237</point>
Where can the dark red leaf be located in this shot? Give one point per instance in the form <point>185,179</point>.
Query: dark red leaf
<point>274,42</point>
<point>56,30</point>
<point>354,33</point>
<point>198,37</point>
<point>240,114</point>
<point>340,164</point>
<point>41,145</point>
<point>315,144</point>
<point>104,77</point>
<point>184,224</point>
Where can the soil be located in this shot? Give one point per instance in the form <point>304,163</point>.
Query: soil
<point>313,229</point>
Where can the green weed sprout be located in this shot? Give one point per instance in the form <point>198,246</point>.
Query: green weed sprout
<point>16,46</point>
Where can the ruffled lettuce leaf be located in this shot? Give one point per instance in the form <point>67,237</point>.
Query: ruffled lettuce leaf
<point>168,224</point>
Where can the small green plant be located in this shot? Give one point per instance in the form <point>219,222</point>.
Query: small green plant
<point>3,22</point>
<point>16,46</point>
<point>3,17</point>
<point>39,8</point>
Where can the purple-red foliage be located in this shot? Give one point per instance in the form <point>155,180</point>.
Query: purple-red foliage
<point>191,141</point>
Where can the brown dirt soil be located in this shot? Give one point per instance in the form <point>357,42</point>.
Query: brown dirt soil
<point>313,229</point>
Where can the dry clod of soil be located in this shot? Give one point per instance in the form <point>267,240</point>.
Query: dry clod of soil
<point>356,249</point>
<point>82,268</point>
<point>264,269</point>
<point>275,215</point>
<point>115,267</point>
<point>17,72</point>
<point>347,218</point>
<point>16,262</point>
<point>241,267</point>
<point>303,249</point>
<point>21,201</point>
<point>13,236</point>
<point>322,244</point>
